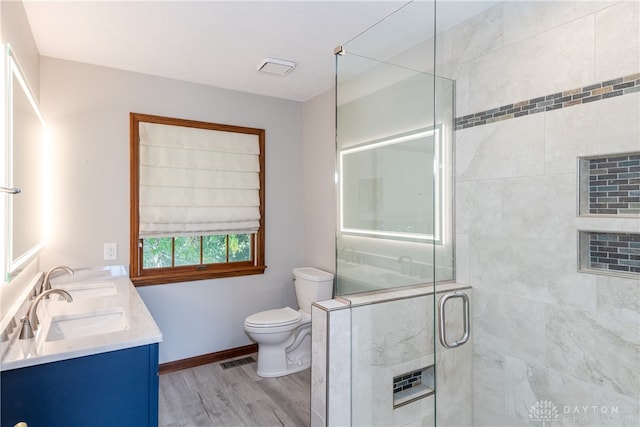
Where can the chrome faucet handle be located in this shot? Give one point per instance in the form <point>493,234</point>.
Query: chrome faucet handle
<point>27,331</point>
<point>30,320</point>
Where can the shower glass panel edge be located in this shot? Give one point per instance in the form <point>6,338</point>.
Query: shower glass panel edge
<point>394,237</point>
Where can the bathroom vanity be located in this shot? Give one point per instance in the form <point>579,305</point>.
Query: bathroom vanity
<point>92,362</point>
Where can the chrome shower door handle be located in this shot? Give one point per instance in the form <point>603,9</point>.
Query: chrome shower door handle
<point>442,316</point>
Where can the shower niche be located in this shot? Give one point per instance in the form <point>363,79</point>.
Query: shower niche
<point>609,185</point>
<point>412,386</point>
<point>609,252</point>
<point>609,196</point>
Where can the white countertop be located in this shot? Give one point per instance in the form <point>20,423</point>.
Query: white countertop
<point>138,327</point>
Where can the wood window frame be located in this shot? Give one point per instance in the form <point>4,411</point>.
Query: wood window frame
<point>140,276</point>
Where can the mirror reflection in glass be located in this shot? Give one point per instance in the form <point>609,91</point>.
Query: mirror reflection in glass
<point>392,188</point>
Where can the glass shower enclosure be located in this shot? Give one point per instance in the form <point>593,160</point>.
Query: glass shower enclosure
<point>394,131</point>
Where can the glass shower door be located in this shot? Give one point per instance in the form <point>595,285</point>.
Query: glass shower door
<point>394,234</point>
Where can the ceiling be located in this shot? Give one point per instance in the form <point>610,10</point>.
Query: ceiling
<point>216,43</point>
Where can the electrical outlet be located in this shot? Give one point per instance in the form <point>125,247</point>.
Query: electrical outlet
<point>110,251</point>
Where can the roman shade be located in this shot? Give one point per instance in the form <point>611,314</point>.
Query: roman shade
<point>197,181</point>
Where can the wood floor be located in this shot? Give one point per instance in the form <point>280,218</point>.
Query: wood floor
<point>208,395</point>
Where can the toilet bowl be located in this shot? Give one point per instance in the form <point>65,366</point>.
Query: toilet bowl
<point>284,334</point>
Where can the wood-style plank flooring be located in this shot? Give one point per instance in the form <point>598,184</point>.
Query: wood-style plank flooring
<point>208,396</point>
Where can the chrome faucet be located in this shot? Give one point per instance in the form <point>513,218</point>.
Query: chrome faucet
<point>349,254</point>
<point>401,261</point>
<point>31,319</point>
<point>46,284</point>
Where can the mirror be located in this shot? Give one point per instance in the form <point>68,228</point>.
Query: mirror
<point>25,156</point>
<point>392,188</point>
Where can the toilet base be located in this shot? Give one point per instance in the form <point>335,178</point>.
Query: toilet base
<point>278,360</point>
<point>290,371</point>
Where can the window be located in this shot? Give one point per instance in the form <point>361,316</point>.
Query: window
<point>197,200</point>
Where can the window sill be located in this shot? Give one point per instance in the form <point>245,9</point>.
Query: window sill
<point>188,276</point>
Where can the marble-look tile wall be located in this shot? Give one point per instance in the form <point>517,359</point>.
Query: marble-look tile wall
<point>319,344</point>
<point>330,364</point>
<point>544,332</point>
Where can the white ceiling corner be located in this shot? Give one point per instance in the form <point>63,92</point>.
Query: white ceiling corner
<point>216,43</point>
<point>212,42</point>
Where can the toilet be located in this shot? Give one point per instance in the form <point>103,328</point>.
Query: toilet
<point>284,334</point>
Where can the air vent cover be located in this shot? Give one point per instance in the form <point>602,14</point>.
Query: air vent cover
<point>238,362</point>
<point>278,67</point>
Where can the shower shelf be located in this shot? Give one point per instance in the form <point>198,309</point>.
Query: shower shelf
<point>612,253</point>
<point>404,397</point>
<point>608,185</point>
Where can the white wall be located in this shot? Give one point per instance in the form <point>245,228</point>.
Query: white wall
<point>87,110</point>
<point>319,181</point>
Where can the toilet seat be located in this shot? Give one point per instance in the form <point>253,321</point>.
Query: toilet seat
<point>273,318</point>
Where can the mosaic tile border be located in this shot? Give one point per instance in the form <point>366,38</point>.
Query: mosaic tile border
<point>595,92</point>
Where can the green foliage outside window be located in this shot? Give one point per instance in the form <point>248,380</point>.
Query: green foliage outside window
<point>157,252</point>
<point>160,252</point>
<point>214,249</point>
<point>187,250</point>
<point>239,247</point>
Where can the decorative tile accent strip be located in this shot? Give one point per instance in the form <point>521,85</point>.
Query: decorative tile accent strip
<point>595,92</point>
<point>615,252</point>
<point>614,185</point>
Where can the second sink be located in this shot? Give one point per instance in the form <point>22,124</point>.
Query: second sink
<point>89,290</point>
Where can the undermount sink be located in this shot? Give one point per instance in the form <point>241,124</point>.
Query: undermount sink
<point>89,290</point>
<point>79,325</point>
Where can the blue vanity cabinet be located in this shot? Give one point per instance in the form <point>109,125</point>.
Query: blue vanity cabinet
<point>115,388</point>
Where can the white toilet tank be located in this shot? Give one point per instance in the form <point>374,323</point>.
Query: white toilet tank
<point>312,285</point>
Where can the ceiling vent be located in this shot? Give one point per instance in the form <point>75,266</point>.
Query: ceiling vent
<point>279,67</point>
